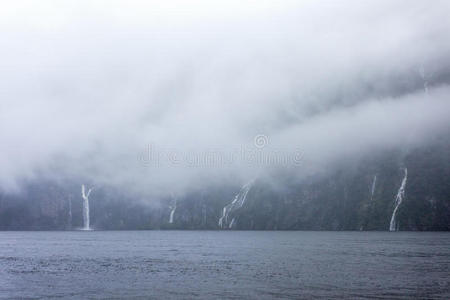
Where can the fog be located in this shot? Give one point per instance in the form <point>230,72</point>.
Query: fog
<point>151,97</point>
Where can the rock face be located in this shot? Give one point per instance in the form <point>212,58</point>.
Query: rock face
<point>349,200</point>
<point>360,195</point>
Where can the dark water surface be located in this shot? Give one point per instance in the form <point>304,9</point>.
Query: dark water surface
<point>224,264</point>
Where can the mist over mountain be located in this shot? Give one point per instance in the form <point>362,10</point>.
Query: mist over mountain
<point>245,115</point>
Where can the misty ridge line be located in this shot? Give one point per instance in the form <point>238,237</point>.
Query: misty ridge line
<point>401,106</point>
<point>155,156</point>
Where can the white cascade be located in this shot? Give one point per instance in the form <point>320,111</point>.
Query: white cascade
<point>237,203</point>
<point>222,218</point>
<point>372,190</point>
<point>85,196</point>
<point>393,226</point>
<point>232,223</point>
<point>172,211</point>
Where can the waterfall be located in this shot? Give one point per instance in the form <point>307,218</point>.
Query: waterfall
<point>171,214</point>
<point>372,191</point>
<point>237,203</point>
<point>86,225</point>
<point>172,211</point>
<point>232,223</point>
<point>222,218</point>
<point>393,226</point>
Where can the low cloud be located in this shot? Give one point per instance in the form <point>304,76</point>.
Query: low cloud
<point>87,87</point>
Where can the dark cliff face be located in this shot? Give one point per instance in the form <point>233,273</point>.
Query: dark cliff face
<point>361,197</point>
<point>356,196</point>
